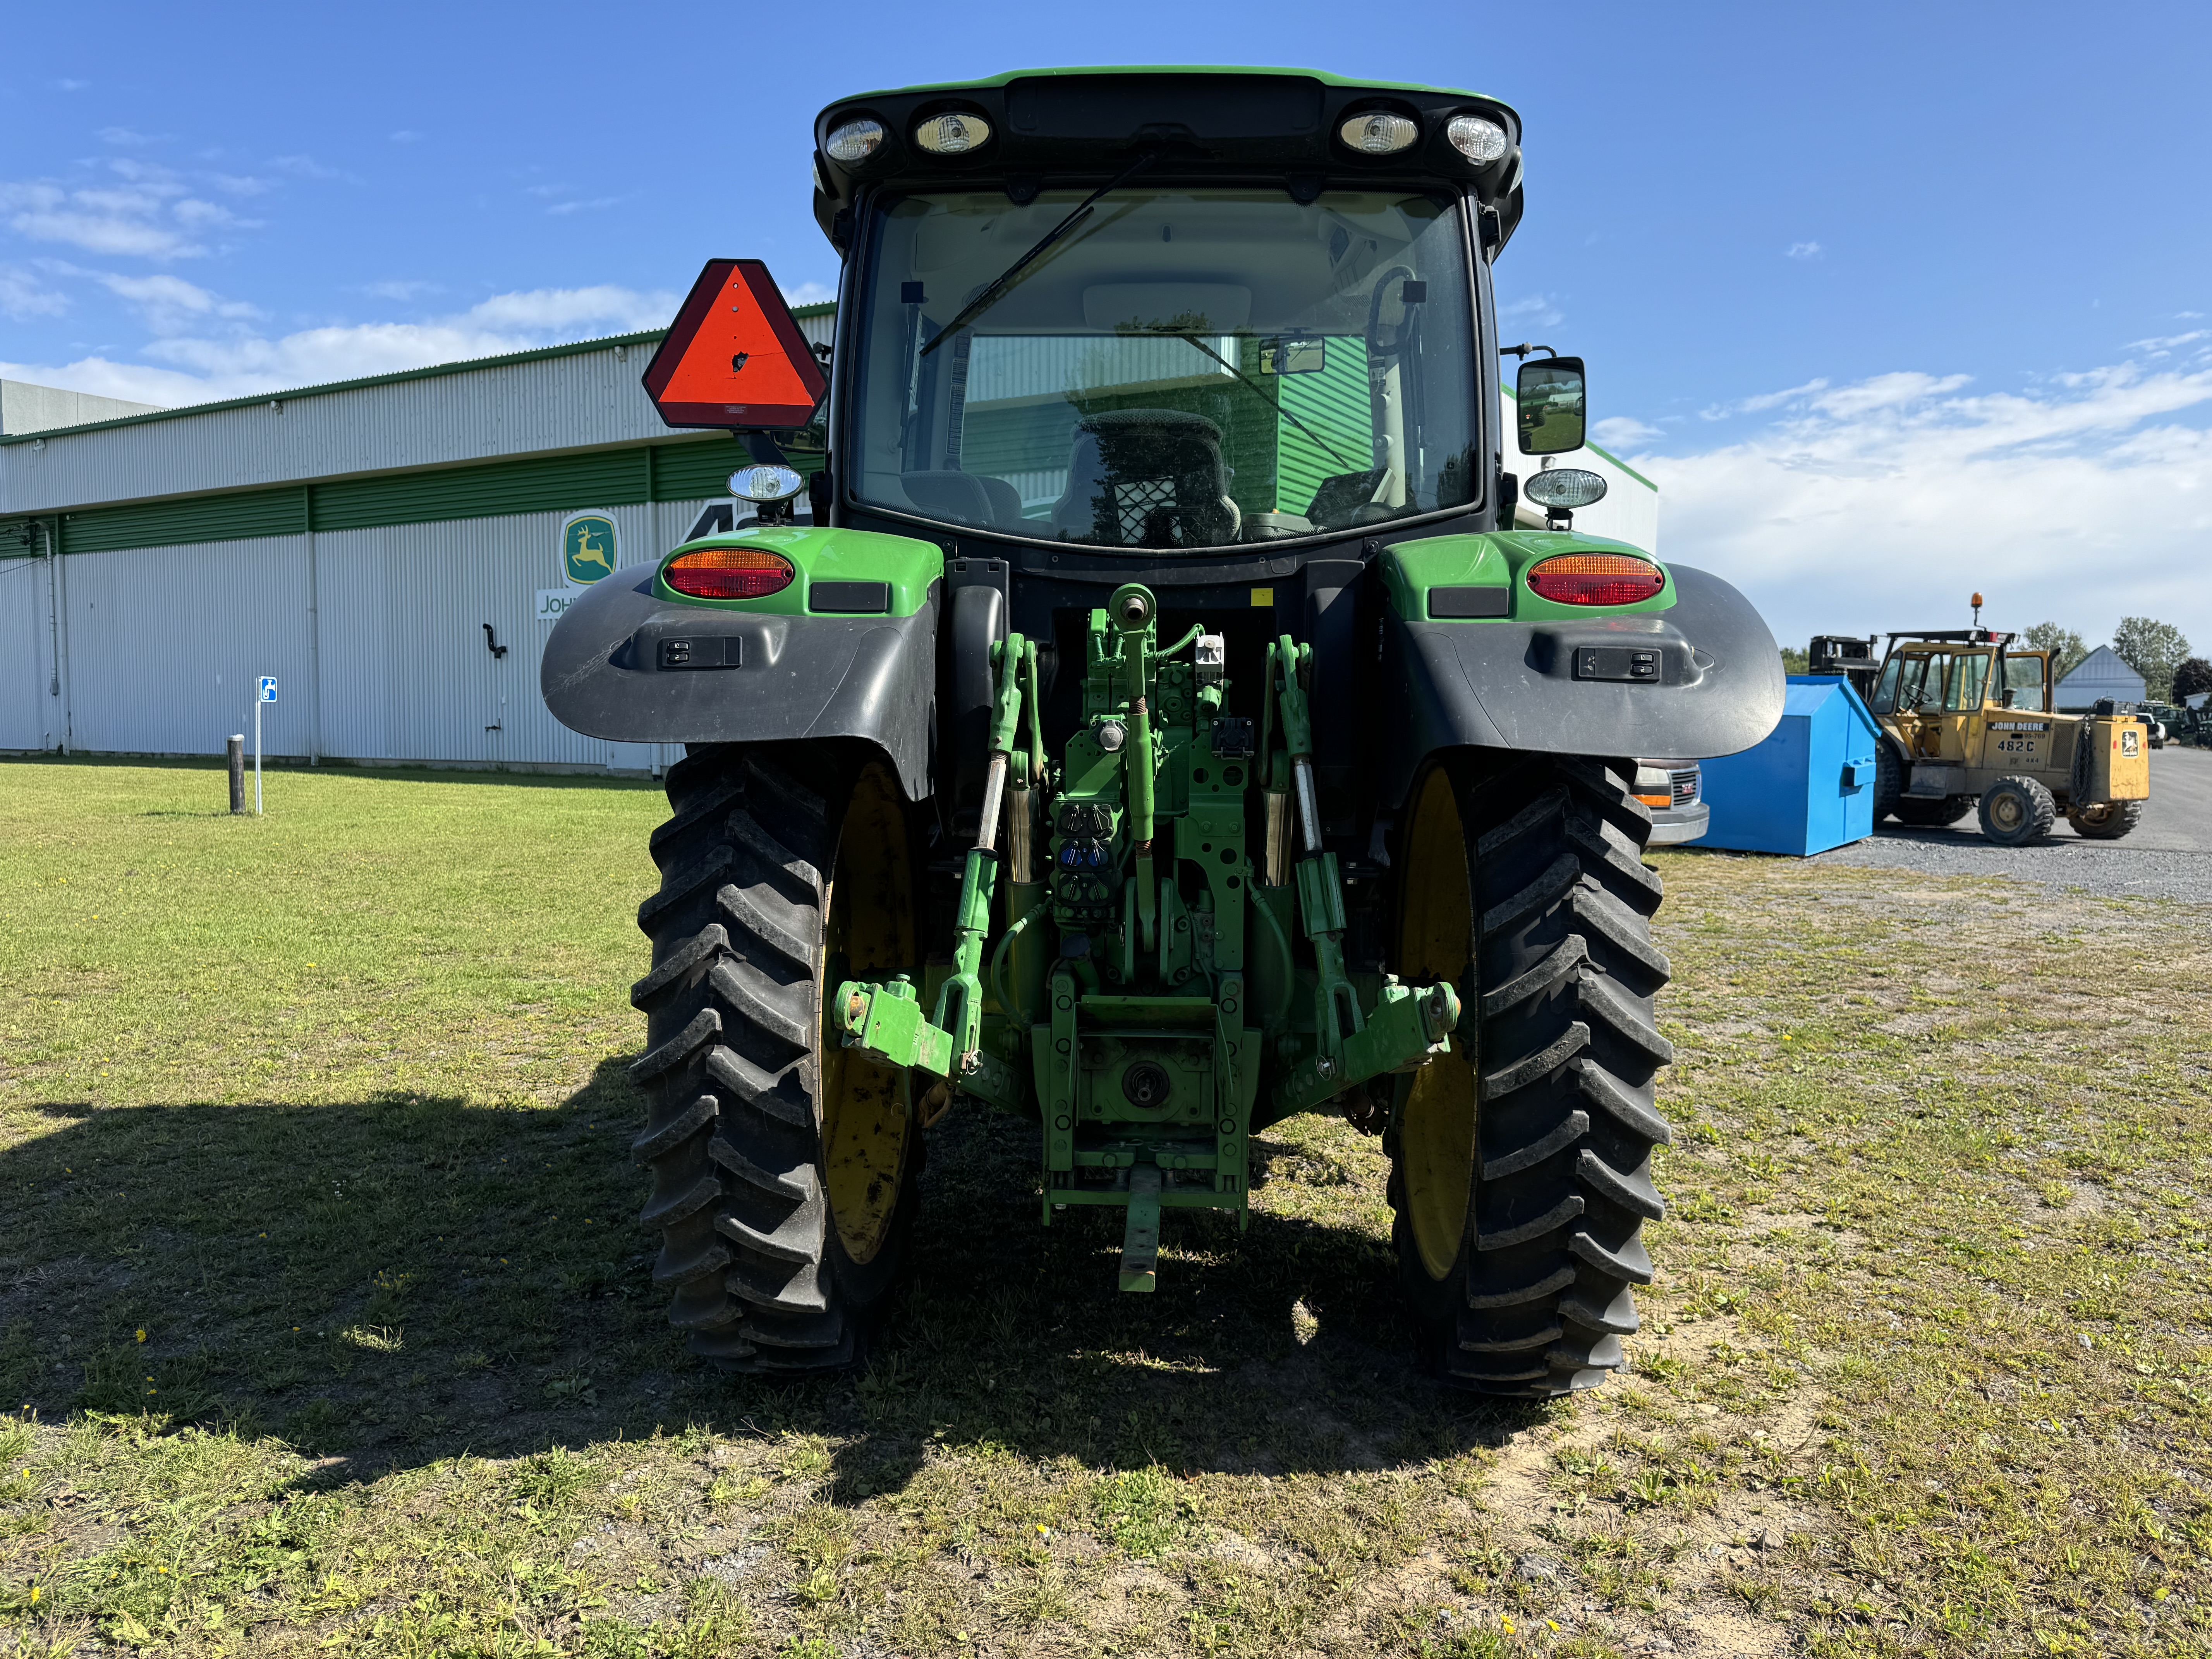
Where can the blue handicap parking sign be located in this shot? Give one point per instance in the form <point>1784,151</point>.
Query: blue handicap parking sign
<point>268,687</point>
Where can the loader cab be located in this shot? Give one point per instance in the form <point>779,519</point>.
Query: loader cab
<point>1941,696</point>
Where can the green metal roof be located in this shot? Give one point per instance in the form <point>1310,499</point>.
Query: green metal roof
<point>465,366</point>
<point>1321,75</point>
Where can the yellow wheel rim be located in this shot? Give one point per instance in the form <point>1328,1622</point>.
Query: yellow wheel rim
<point>870,934</point>
<point>1436,935</point>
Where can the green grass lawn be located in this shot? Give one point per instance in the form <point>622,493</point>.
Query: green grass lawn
<point>323,1326</point>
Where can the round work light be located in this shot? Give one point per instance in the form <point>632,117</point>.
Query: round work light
<point>854,141</point>
<point>1481,140</point>
<point>1377,132</point>
<point>769,481</point>
<point>956,132</point>
<point>1565,487</point>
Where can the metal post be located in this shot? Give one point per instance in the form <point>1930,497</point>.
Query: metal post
<point>314,651</point>
<point>256,750</point>
<point>236,754</point>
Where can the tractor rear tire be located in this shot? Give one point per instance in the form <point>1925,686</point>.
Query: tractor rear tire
<point>1888,779</point>
<point>2017,811</point>
<point>2107,821</point>
<point>1521,1161</point>
<point>1934,814</point>
<point>783,1177</point>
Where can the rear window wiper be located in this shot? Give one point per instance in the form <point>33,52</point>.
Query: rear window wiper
<point>1004,280</point>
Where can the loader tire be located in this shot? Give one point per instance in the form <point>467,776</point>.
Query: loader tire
<point>2017,811</point>
<point>783,1176</point>
<point>1934,814</point>
<point>1521,1161</point>
<point>2107,820</point>
<point>1888,779</point>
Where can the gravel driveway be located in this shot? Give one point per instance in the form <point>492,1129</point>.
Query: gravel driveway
<point>2168,856</point>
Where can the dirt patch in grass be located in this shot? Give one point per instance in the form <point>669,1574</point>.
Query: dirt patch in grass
<point>323,1326</point>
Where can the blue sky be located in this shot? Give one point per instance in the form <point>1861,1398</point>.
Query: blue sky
<point>1893,302</point>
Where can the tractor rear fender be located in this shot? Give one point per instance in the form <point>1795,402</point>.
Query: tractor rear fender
<point>1578,685</point>
<point>632,663</point>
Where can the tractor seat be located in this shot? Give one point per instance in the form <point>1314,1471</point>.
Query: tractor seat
<point>1147,478</point>
<point>973,498</point>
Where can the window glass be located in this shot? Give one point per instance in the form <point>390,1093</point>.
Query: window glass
<point>1184,369</point>
<point>2023,683</point>
<point>1969,674</point>
<point>1885,692</point>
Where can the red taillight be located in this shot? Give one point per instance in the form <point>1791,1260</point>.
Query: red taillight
<point>728,573</point>
<point>1596,578</point>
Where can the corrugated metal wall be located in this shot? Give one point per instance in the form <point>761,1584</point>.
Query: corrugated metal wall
<point>164,645</point>
<point>30,718</point>
<point>163,651</point>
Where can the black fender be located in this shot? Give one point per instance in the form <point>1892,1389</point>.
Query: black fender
<point>743,677</point>
<point>976,623</point>
<point>1717,691</point>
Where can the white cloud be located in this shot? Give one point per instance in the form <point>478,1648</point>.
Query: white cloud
<point>67,85</point>
<point>404,136</point>
<point>809,294</point>
<point>1883,504</point>
<point>1539,309</point>
<point>1802,250</point>
<point>1763,400</point>
<point>2165,345</point>
<point>203,367</point>
<point>23,297</point>
<point>399,290</point>
<point>303,167</point>
<point>125,221</point>
<point>1624,432</point>
<point>570,307</point>
<point>124,136</point>
<point>592,206</point>
<point>171,305</point>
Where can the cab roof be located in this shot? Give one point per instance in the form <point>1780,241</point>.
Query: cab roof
<point>1008,77</point>
<point>1061,128</point>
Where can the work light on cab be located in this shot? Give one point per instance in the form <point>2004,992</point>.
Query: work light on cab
<point>956,132</point>
<point>1481,141</point>
<point>769,481</point>
<point>728,573</point>
<point>1596,578</point>
<point>1377,132</point>
<point>854,141</point>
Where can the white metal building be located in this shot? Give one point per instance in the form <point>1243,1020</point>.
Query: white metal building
<point>2100,674</point>
<point>381,546</point>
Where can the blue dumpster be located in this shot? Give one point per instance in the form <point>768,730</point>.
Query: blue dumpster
<point>1809,787</point>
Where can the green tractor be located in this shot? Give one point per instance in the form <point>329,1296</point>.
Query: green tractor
<point>1141,717</point>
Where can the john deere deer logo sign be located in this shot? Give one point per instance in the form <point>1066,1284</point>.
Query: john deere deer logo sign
<point>588,547</point>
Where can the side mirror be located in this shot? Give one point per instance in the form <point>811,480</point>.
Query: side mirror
<point>1554,405</point>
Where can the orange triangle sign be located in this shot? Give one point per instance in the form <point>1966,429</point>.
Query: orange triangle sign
<point>734,356</point>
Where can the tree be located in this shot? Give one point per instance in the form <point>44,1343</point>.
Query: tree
<point>2193,675</point>
<point>2154,649</point>
<point>2063,643</point>
<point>1795,660</point>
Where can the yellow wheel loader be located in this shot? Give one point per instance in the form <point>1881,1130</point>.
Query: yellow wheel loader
<point>1967,724</point>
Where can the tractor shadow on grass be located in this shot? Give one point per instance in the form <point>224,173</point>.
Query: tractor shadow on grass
<point>392,1281</point>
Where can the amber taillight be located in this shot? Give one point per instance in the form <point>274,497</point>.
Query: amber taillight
<point>728,573</point>
<point>1596,578</point>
